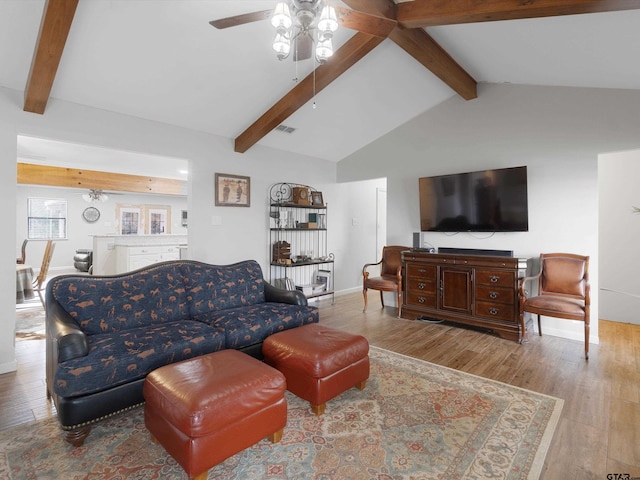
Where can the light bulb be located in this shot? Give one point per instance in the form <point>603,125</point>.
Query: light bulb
<point>324,50</point>
<point>328,22</point>
<point>282,45</point>
<point>281,18</point>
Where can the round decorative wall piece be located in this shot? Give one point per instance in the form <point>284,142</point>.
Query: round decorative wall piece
<point>91,214</point>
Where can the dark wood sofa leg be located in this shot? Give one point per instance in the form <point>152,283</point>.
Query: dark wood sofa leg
<point>76,436</point>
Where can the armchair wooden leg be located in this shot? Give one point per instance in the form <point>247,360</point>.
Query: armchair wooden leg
<point>400,304</point>
<point>539,326</point>
<point>586,340</point>
<point>382,298</point>
<point>364,294</point>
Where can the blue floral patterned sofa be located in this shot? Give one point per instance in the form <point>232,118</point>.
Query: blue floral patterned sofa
<point>106,333</point>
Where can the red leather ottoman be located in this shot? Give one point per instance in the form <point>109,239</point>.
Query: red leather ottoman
<point>319,362</point>
<point>208,408</point>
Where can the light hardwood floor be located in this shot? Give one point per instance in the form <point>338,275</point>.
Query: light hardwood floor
<point>599,431</point>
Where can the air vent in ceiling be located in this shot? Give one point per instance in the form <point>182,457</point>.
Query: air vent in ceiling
<point>285,129</point>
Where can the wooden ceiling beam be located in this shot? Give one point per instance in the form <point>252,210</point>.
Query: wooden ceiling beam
<point>420,45</point>
<point>377,25</point>
<point>428,13</point>
<point>351,52</point>
<point>31,174</point>
<point>54,30</point>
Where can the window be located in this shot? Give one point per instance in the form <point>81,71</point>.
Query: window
<point>158,220</point>
<point>47,219</point>
<point>129,220</point>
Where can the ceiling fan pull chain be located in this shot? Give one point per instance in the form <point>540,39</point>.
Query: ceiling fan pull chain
<point>314,82</point>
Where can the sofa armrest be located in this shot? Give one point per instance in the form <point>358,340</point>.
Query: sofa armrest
<point>279,295</point>
<point>64,336</point>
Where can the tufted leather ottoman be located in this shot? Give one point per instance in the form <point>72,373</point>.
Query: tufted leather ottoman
<point>319,362</point>
<point>208,408</point>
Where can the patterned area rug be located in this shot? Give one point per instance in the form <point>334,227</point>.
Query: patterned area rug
<point>30,320</point>
<point>414,420</point>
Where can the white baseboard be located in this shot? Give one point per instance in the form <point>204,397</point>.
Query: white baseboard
<point>8,367</point>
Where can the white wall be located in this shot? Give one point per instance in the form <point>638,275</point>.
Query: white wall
<point>241,232</point>
<point>556,132</point>
<point>79,232</point>
<point>619,230</point>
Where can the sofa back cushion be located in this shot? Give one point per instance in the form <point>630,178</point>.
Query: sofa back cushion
<point>220,287</point>
<point>154,295</point>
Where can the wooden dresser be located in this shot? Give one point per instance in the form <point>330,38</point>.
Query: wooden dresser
<point>478,290</point>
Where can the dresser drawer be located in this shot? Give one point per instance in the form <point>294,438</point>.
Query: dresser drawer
<point>143,250</point>
<point>495,311</point>
<point>420,299</point>
<point>421,271</point>
<point>419,285</point>
<point>486,293</point>
<point>497,278</point>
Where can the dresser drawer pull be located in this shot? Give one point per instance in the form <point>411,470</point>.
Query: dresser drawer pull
<point>494,279</point>
<point>422,270</point>
<point>493,295</point>
<point>421,300</point>
<point>494,311</point>
<point>421,286</point>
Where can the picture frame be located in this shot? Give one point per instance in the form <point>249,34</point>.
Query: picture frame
<point>316,199</point>
<point>232,190</point>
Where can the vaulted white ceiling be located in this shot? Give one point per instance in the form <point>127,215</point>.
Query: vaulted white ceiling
<point>161,60</point>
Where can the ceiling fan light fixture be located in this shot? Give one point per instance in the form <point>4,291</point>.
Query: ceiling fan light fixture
<point>95,196</point>
<point>281,18</point>
<point>324,50</point>
<point>328,22</point>
<point>282,45</point>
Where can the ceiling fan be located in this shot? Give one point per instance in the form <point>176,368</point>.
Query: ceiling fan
<point>299,24</point>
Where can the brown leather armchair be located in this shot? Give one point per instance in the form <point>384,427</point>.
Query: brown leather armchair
<point>390,279</point>
<point>563,291</point>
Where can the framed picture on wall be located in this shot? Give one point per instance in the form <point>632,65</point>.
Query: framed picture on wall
<point>232,190</point>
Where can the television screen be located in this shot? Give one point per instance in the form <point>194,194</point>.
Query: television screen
<point>486,201</point>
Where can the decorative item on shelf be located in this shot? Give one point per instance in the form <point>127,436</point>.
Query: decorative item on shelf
<point>300,195</point>
<point>322,220</point>
<point>316,199</point>
<point>281,252</point>
<point>322,277</point>
<point>91,214</point>
<point>306,289</point>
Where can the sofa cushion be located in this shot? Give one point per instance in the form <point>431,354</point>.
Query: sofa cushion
<point>220,287</point>
<point>104,304</point>
<point>246,326</point>
<point>120,357</point>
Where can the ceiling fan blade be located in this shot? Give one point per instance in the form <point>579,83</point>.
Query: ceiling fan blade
<point>365,22</point>
<point>303,47</point>
<point>241,19</point>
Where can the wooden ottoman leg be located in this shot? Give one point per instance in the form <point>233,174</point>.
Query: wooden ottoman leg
<point>275,437</point>
<point>318,409</point>
<point>201,476</point>
<point>362,385</point>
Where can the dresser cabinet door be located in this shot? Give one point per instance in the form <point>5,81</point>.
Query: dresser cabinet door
<point>455,289</point>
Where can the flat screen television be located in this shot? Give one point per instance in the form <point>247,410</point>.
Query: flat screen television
<point>485,201</point>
